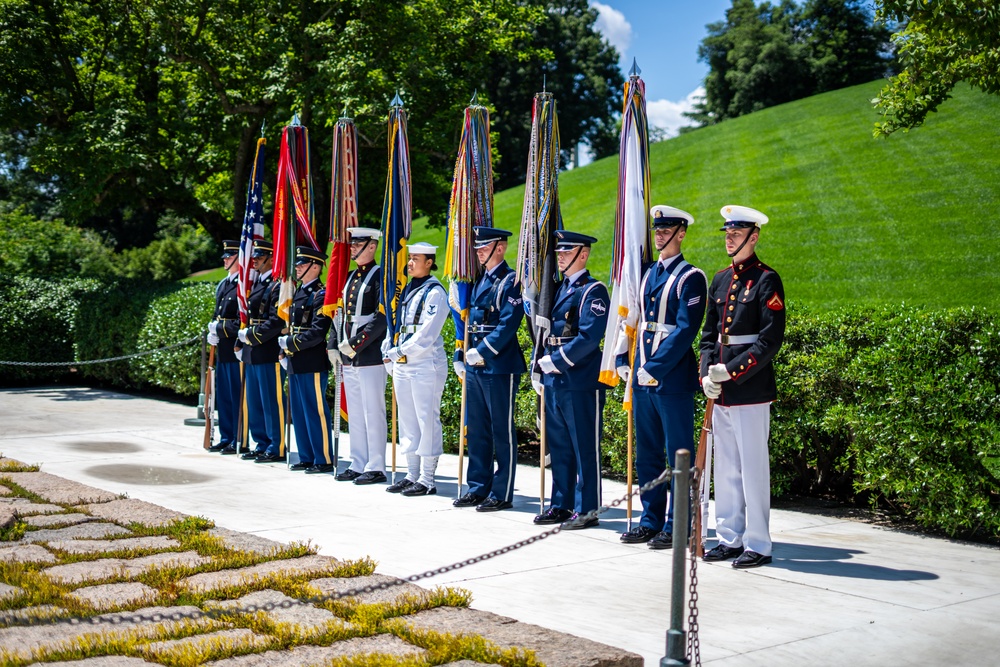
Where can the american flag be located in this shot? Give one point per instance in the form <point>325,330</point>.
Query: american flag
<point>253,230</point>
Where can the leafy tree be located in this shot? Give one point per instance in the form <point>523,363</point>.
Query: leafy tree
<point>577,66</point>
<point>940,44</point>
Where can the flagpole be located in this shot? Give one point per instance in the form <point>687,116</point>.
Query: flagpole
<point>463,434</point>
<point>394,431</point>
<point>541,453</point>
<point>209,398</point>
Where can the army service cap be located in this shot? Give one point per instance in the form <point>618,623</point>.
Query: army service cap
<point>668,216</point>
<point>262,248</point>
<point>230,248</point>
<point>305,254</point>
<point>740,217</point>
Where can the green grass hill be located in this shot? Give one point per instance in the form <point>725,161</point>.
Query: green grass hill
<point>854,220</point>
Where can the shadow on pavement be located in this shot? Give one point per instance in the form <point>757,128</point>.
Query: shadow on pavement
<point>830,561</point>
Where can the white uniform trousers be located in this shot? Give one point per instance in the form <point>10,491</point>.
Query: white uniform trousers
<point>364,387</point>
<point>743,476</point>
<point>419,385</point>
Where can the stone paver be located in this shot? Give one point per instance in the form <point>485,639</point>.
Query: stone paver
<point>306,616</point>
<point>208,581</point>
<point>106,546</point>
<point>554,649</point>
<point>236,637</point>
<point>382,644</point>
<point>103,661</point>
<point>73,573</point>
<point>4,491</point>
<point>8,591</point>
<point>246,541</point>
<point>8,517</point>
<point>19,615</point>
<point>20,641</point>
<point>43,521</point>
<point>469,663</point>
<point>89,530</point>
<point>58,489</point>
<point>127,510</point>
<point>109,596</point>
<point>26,553</point>
<point>300,656</point>
<point>25,507</point>
<point>389,595</point>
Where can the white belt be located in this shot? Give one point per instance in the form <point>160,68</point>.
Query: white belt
<point>360,320</point>
<point>738,340</point>
<point>658,328</point>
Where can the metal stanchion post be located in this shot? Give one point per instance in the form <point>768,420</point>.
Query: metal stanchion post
<point>199,419</point>
<point>680,492</point>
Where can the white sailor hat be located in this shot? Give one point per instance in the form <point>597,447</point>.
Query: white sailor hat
<point>741,216</point>
<point>668,216</point>
<point>421,248</point>
<point>363,233</point>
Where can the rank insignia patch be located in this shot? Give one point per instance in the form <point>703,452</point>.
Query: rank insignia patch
<point>598,308</point>
<point>775,302</point>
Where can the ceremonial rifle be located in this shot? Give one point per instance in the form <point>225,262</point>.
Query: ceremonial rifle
<point>701,462</point>
<point>209,399</point>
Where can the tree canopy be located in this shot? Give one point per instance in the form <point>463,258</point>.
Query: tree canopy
<point>940,44</point>
<point>115,114</point>
<point>768,54</point>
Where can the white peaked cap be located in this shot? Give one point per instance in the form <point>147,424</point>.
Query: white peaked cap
<point>733,213</point>
<point>364,232</point>
<point>670,212</point>
<point>421,248</point>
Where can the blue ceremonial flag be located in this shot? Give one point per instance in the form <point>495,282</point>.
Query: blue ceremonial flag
<point>253,230</point>
<point>397,218</point>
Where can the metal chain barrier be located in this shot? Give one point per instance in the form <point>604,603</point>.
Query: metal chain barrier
<point>693,642</point>
<point>101,361</point>
<point>119,619</point>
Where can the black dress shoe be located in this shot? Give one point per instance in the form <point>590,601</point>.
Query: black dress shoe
<point>419,489</point>
<point>469,500</point>
<point>662,540</point>
<point>580,521</point>
<point>494,505</point>
<point>371,477</point>
<point>228,451</point>
<point>252,456</point>
<point>638,535</point>
<point>218,447</point>
<point>348,476</point>
<point>271,458</point>
<point>750,559</point>
<point>722,552</point>
<point>399,486</point>
<point>552,515</point>
<point>319,469</point>
<point>300,466</point>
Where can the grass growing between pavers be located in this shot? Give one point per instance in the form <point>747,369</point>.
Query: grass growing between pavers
<point>14,532</point>
<point>42,600</point>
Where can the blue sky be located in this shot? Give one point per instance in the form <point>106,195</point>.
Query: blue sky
<point>663,35</point>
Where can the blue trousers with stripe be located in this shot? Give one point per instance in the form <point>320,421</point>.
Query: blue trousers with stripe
<point>227,400</point>
<point>573,423</point>
<point>266,407</point>
<point>311,417</point>
<point>489,423</point>
<point>664,423</point>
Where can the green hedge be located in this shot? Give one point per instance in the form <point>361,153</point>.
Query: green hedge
<point>897,406</point>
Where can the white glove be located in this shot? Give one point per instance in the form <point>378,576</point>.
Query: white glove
<point>239,353</point>
<point>623,373</point>
<point>385,348</point>
<point>459,369</point>
<point>718,373</point>
<point>473,358</point>
<point>284,362</point>
<point>242,335</point>
<point>283,342</point>
<point>711,389</point>
<point>388,367</point>
<point>213,327</point>
<point>213,339</point>
<point>645,379</point>
<point>547,365</point>
<point>334,356</point>
<point>394,354</point>
<point>346,349</point>
<point>537,386</point>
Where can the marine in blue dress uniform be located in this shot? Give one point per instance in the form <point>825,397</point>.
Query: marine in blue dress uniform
<point>665,370</point>
<point>744,329</point>
<point>222,332</point>
<point>265,378</point>
<point>304,347</point>
<point>491,368</point>
<point>573,393</point>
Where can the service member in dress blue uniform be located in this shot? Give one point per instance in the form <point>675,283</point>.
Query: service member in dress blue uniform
<point>419,371</point>
<point>743,330</point>
<point>359,344</point>
<point>666,370</point>
<point>304,349</point>
<point>222,332</point>
<point>574,396</point>
<point>492,369</point>
<point>265,383</point>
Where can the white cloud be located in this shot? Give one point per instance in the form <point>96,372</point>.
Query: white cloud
<point>612,24</point>
<point>668,115</point>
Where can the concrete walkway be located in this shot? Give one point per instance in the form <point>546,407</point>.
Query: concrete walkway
<point>838,592</point>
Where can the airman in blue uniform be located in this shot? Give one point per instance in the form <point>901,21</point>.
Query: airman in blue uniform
<point>222,332</point>
<point>491,369</point>
<point>265,378</point>
<point>304,348</point>
<point>573,393</point>
<point>665,369</point>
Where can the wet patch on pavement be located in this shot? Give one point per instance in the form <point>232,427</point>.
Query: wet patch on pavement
<point>147,475</point>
